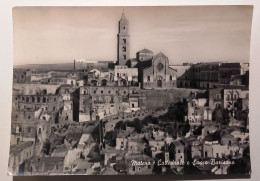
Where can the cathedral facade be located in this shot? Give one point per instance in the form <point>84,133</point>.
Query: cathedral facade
<point>159,75</point>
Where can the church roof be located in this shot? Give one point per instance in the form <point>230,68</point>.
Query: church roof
<point>146,64</point>
<point>160,54</point>
<point>145,51</point>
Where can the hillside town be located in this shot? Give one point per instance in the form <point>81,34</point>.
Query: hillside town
<point>133,116</point>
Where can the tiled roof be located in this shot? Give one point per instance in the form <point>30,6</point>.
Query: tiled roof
<point>145,51</point>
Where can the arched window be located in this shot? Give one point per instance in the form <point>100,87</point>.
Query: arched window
<point>44,92</point>
<point>228,96</point>
<point>44,99</point>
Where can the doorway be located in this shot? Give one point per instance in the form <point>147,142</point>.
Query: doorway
<point>159,81</point>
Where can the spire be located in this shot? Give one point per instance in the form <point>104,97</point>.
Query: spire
<point>123,15</point>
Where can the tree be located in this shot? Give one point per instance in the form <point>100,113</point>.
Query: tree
<point>176,113</point>
<point>120,125</point>
<point>138,125</point>
<point>185,128</point>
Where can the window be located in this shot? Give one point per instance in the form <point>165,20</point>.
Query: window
<point>179,151</point>
<point>101,92</point>
<point>133,105</point>
<point>44,92</point>
<point>124,40</point>
<point>228,97</point>
<point>109,92</point>
<point>124,49</point>
<point>148,78</point>
<point>124,57</point>
<point>133,168</point>
<point>170,77</point>
<point>139,169</point>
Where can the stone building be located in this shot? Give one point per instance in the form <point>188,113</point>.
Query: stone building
<point>178,151</point>
<point>133,168</point>
<point>19,153</point>
<point>208,75</point>
<point>125,76</point>
<point>144,55</point>
<point>200,75</point>
<point>104,101</point>
<point>227,70</point>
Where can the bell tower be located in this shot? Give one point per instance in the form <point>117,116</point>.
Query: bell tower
<point>123,48</point>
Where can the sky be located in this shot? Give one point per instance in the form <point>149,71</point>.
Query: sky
<point>46,35</point>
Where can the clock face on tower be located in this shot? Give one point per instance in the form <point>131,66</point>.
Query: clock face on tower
<point>159,66</point>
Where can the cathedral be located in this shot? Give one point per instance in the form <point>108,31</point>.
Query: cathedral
<point>153,70</point>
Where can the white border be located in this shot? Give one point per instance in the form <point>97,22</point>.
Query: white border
<point>7,56</point>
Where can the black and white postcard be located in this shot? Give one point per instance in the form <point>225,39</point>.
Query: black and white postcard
<point>131,91</point>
